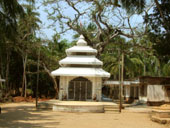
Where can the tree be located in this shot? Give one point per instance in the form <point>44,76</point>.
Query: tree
<point>102,13</point>
<point>132,6</point>
<point>166,69</point>
<point>159,23</point>
<point>51,53</point>
<point>133,64</point>
<point>19,54</point>
<point>9,12</point>
<point>26,30</point>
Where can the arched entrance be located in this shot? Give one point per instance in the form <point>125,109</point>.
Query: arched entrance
<point>80,89</point>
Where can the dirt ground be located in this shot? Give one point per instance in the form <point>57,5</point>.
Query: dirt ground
<point>24,115</point>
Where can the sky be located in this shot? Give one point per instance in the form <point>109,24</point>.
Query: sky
<point>47,33</point>
<point>44,32</point>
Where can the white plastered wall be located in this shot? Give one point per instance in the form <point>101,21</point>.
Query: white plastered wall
<point>96,86</point>
<point>127,91</point>
<point>143,97</point>
<point>155,93</point>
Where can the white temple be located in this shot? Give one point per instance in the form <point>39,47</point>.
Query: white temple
<point>81,74</point>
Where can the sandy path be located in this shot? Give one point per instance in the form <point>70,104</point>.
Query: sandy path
<point>24,115</point>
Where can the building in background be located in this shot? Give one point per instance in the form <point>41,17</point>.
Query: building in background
<point>151,90</point>
<point>130,90</point>
<point>154,90</point>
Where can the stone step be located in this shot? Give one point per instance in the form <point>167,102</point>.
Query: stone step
<point>160,120</point>
<point>111,111</point>
<point>111,108</point>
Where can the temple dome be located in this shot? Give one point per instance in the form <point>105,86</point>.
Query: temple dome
<point>85,60</point>
<point>81,41</point>
<point>81,47</point>
<point>78,71</point>
<point>81,61</point>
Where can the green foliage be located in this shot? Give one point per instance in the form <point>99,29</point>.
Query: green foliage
<point>134,66</point>
<point>159,24</point>
<point>133,6</point>
<point>111,64</point>
<point>25,47</point>
<point>166,69</point>
<point>29,92</point>
<point>9,12</point>
<point>144,55</point>
<point>111,57</point>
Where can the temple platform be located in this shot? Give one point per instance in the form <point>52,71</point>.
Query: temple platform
<point>76,106</point>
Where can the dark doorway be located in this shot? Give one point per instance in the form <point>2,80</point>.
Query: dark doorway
<point>80,89</point>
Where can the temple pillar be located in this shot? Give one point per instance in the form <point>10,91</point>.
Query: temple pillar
<point>135,92</point>
<point>99,89</point>
<point>63,93</point>
<point>127,92</point>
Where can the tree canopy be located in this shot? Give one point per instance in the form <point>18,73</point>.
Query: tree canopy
<point>107,25</point>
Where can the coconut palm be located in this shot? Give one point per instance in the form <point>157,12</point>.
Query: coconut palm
<point>26,29</point>
<point>9,12</point>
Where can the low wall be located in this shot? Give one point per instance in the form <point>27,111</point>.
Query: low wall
<point>79,108</point>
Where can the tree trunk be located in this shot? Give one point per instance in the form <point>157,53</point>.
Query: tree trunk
<point>162,15</point>
<point>0,82</point>
<point>144,70</point>
<point>7,70</point>
<point>54,80</point>
<point>0,69</point>
<point>24,83</point>
<point>38,66</point>
<point>121,85</point>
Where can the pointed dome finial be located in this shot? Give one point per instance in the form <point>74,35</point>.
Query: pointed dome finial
<point>81,41</point>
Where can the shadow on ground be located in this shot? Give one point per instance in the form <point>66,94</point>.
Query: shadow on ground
<point>25,116</point>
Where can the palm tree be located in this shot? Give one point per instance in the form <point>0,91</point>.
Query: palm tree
<point>133,66</point>
<point>9,12</point>
<point>27,27</point>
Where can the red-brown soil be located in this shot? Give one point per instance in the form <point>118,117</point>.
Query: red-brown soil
<point>27,99</point>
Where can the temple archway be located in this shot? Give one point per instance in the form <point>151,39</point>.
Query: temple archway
<point>80,89</point>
